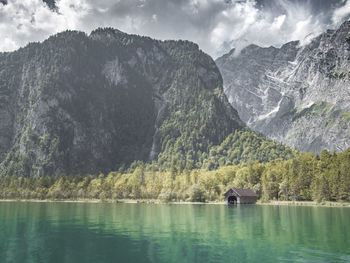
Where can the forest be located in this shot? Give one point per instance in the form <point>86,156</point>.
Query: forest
<point>324,177</point>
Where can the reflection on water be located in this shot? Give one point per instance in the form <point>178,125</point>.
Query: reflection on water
<point>76,232</point>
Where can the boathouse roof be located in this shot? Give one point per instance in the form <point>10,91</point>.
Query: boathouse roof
<point>241,192</point>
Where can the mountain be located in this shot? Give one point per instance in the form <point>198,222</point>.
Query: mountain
<point>297,94</point>
<point>78,104</point>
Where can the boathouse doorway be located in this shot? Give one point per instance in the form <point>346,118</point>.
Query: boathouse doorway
<point>232,200</point>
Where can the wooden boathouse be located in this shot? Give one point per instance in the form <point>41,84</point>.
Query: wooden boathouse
<point>240,196</point>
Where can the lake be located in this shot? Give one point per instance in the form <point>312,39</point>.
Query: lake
<point>88,232</point>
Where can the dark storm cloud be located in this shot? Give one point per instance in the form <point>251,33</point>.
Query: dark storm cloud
<point>51,4</point>
<point>216,25</point>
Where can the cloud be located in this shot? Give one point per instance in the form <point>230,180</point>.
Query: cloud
<point>216,25</point>
<point>341,13</point>
<point>245,23</point>
<point>32,20</point>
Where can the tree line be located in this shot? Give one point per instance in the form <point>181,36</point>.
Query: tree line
<point>324,177</point>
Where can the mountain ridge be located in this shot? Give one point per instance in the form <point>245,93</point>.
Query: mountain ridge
<point>296,94</point>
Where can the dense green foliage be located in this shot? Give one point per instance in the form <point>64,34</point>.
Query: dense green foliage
<point>306,177</point>
<point>243,146</point>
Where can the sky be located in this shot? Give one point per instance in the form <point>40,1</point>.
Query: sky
<point>215,25</point>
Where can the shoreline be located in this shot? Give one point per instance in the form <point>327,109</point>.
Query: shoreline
<point>155,201</point>
<point>119,201</point>
<point>306,203</point>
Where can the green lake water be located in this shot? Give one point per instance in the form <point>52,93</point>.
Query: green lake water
<point>78,232</point>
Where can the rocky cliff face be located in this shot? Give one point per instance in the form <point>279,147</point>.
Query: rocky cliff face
<point>85,104</point>
<point>298,95</point>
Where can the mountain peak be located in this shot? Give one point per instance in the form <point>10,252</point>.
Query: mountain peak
<point>106,31</point>
<point>291,44</point>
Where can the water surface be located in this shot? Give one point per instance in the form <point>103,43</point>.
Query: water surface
<point>78,232</point>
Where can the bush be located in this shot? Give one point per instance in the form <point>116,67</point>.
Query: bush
<point>165,195</point>
<point>197,194</point>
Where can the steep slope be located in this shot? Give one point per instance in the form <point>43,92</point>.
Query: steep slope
<point>298,95</point>
<point>84,104</point>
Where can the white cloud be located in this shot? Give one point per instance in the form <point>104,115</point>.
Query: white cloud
<point>341,13</point>
<point>32,20</point>
<point>234,23</point>
<point>278,22</point>
<point>216,25</point>
<point>244,23</point>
